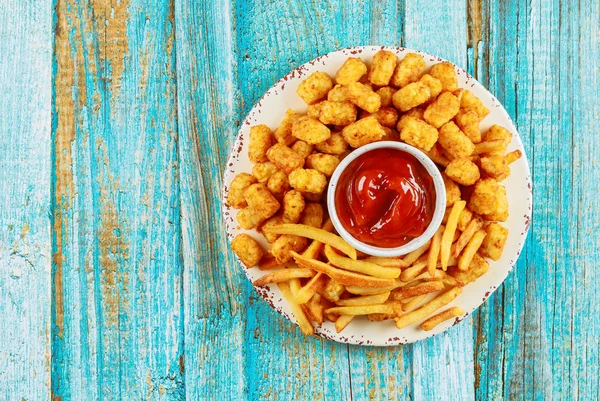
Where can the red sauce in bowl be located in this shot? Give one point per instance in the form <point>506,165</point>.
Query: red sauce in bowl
<point>385,198</point>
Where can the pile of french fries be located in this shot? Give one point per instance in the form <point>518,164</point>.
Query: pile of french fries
<point>322,276</point>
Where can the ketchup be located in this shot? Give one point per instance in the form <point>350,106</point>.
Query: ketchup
<point>385,198</point>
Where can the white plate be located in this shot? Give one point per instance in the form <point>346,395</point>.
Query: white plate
<point>271,109</point>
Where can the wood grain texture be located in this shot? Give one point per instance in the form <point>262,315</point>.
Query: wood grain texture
<point>25,92</point>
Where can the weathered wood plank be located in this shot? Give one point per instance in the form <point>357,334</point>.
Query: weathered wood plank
<point>117,315</point>
<point>25,99</point>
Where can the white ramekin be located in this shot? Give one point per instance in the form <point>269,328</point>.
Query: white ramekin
<point>438,214</point>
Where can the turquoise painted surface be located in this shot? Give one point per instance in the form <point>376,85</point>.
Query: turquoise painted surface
<point>116,281</point>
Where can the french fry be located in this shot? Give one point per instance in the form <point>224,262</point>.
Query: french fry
<point>342,321</point>
<point>473,226</point>
<point>302,230</point>
<point>470,250</point>
<point>357,290</point>
<point>343,277</point>
<point>447,279</point>
<point>305,324</point>
<point>379,317</point>
<point>365,300</point>
<point>360,309</point>
<point>314,309</point>
<point>419,289</point>
<point>304,294</point>
<point>427,309</point>
<point>413,303</point>
<point>332,290</point>
<point>360,266</point>
<point>386,262</point>
<point>513,156</point>
<point>449,232</point>
<point>410,273</point>
<point>414,255</point>
<point>438,159</point>
<point>269,264</point>
<point>496,145</point>
<point>294,285</point>
<point>434,251</point>
<point>433,321</point>
<point>284,275</point>
<point>315,247</point>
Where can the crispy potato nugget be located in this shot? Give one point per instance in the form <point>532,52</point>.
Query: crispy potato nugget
<point>412,95</point>
<point>273,221</point>
<point>263,171</point>
<point>442,110</point>
<point>261,139</point>
<point>446,74</point>
<point>387,116</point>
<point>337,113</point>
<point>315,87</point>
<point>386,94</point>
<point>463,171</point>
<point>335,145</point>
<point>283,133</point>
<point>382,67</point>
<point>293,206</point>
<point>455,142</point>
<point>390,134</point>
<point>433,321</point>
<point>416,113</point>
<point>314,110</point>
<point>464,219</point>
<point>339,93</point>
<point>469,101</point>
<point>468,122</point>
<point>284,158</point>
<point>308,180</point>
<point>493,244</point>
<point>312,215</point>
<point>351,71</point>
<point>249,219</point>
<point>285,244</point>
<point>310,130</point>
<point>478,267</point>
<point>278,183</point>
<point>484,199</point>
<point>235,196</point>
<point>408,70</point>
<point>418,133</point>
<point>302,148</point>
<point>496,133</point>
<point>323,163</point>
<point>247,249</point>
<point>501,212</point>
<point>364,97</point>
<point>496,167</point>
<point>452,191</point>
<point>363,131</point>
<point>260,199</point>
<point>434,85</point>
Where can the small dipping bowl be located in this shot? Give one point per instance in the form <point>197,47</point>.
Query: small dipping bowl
<point>415,243</point>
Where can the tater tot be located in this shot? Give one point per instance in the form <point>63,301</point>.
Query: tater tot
<point>455,142</point>
<point>496,132</point>
<point>263,171</point>
<point>261,200</point>
<point>434,85</point>
<point>412,95</point>
<point>261,139</point>
<point>459,93</point>
<point>408,70</point>
<point>442,110</point>
<point>278,183</point>
<point>493,243</point>
<point>468,122</point>
<point>351,71</point>
<point>363,131</point>
<point>501,211</point>
<point>390,134</point>
<point>452,191</point>
<point>310,130</point>
<point>273,221</point>
<point>463,171</point>
<point>286,243</point>
<point>247,249</point>
<point>364,97</point>
<point>335,145</point>
<point>446,74</point>
<point>386,94</point>
<point>312,215</point>
<point>284,158</point>
<point>249,219</point>
<point>469,101</point>
<point>337,113</point>
<point>293,206</point>
<point>418,133</point>
<point>315,87</point>
<point>308,197</point>
<point>387,116</point>
<point>496,167</point>
<point>323,163</point>
<point>308,180</point>
<point>283,133</point>
<point>339,93</point>
<point>235,196</point>
<point>478,267</point>
<point>382,67</point>
<point>314,110</point>
<point>484,199</point>
<point>302,148</point>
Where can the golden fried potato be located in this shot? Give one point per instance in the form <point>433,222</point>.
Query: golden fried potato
<point>302,148</point>
<point>351,71</point>
<point>434,85</point>
<point>470,102</point>
<point>273,221</point>
<point>364,97</point>
<point>478,267</point>
<point>313,215</point>
<point>313,197</point>
<point>382,67</point>
<point>323,163</point>
<point>315,87</point>
<point>308,180</point>
<point>293,206</point>
<point>390,134</point>
<point>418,133</point>
<point>442,110</point>
<point>286,243</point>
<point>235,196</point>
<point>247,249</point>
<point>284,158</point>
<point>496,167</point>
<point>339,93</point>
<point>468,122</point>
<point>501,211</point>
<point>496,132</point>
<point>493,243</point>
<point>463,171</point>
<point>455,142</point>
<point>310,130</point>
<point>408,70</point>
<point>387,116</point>
<point>386,94</point>
<point>314,110</point>
<point>363,131</point>
<point>249,218</point>
<point>278,183</point>
<point>459,93</point>
<point>412,95</point>
<point>283,133</point>
<point>335,145</point>
<point>484,199</point>
<point>263,171</point>
<point>446,74</point>
<point>261,139</point>
<point>337,113</point>
<point>464,219</point>
<point>452,191</point>
<point>261,200</point>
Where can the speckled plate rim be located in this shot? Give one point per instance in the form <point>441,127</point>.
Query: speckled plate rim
<point>270,110</point>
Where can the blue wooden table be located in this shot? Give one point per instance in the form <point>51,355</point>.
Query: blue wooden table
<point>116,280</point>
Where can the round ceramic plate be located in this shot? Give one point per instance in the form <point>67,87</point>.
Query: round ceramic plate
<point>271,109</point>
